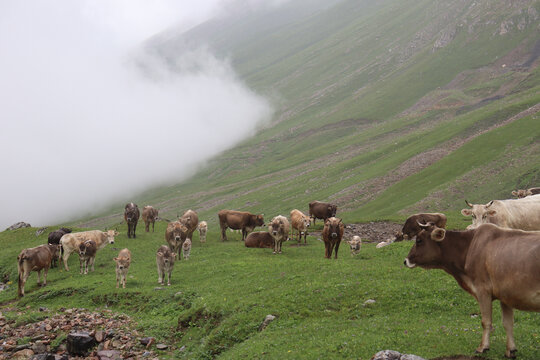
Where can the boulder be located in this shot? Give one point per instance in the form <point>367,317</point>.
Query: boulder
<point>79,343</point>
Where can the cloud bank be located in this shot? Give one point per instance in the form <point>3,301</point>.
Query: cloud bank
<point>89,119</point>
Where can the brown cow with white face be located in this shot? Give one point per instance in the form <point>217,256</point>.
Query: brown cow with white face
<point>149,216</point>
<point>259,239</point>
<point>131,216</point>
<point>321,210</point>
<point>411,227</point>
<point>87,255</point>
<point>165,263</point>
<point>490,263</point>
<point>300,222</point>
<point>238,220</point>
<point>35,259</point>
<point>191,221</point>
<point>279,230</point>
<point>123,261</point>
<point>332,234</point>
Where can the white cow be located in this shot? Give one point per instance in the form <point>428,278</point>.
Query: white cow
<point>71,242</point>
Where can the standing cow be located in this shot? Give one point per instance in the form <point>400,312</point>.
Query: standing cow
<point>149,216</point>
<point>35,259</point>
<point>238,220</point>
<point>321,210</point>
<point>123,261</point>
<point>300,222</point>
<point>411,227</point>
<point>191,221</point>
<point>332,234</point>
<point>279,230</point>
<point>165,263</point>
<point>203,229</point>
<point>489,262</point>
<point>175,235</point>
<point>71,242</point>
<point>54,238</point>
<point>131,215</point>
<point>87,255</point>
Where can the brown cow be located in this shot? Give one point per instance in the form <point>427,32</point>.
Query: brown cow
<point>165,263</point>
<point>259,239</point>
<point>332,234</point>
<point>490,263</point>
<point>191,220</point>
<point>54,238</point>
<point>279,229</point>
<point>131,215</point>
<point>238,220</point>
<point>175,235</point>
<point>35,259</point>
<point>87,255</point>
<point>526,192</point>
<point>321,210</point>
<point>411,227</point>
<point>186,248</point>
<point>299,222</point>
<point>71,242</point>
<point>123,261</point>
<point>149,216</point>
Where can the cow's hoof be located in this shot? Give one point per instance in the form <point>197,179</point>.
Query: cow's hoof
<point>510,354</point>
<point>482,350</point>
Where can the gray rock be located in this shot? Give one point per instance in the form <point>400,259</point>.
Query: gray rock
<point>79,343</point>
<point>162,347</point>
<point>267,320</point>
<point>387,355</point>
<point>19,225</point>
<point>43,357</point>
<point>109,355</point>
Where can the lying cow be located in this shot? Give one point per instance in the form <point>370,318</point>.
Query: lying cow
<point>321,210</point>
<point>238,220</point>
<point>54,238</point>
<point>411,227</point>
<point>490,263</point>
<point>526,192</point>
<point>71,242</point>
<point>279,230</point>
<point>175,235</point>
<point>35,259</point>
<point>259,239</point>
<point>203,228</point>
<point>332,234</point>
<point>355,244</point>
<point>165,263</point>
<point>299,222</point>
<point>191,221</point>
<point>149,216</point>
<point>131,216</point>
<point>521,214</point>
<point>123,261</point>
<point>87,255</point>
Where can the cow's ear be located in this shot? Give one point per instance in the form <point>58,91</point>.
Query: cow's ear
<point>173,254</point>
<point>466,212</point>
<point>492,212</point>
<point>159,253</point>
<point>115,259</point>
<point>515,193</point>
<point>438,234</point>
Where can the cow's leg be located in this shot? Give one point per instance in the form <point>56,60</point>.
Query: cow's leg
<point>147,226</point>
<point>45,272</point>
<point>117,279</point>
<point>65,257</point>
<point>134,230</point>
<point>305,235</point>
<point>485,302</point>
<point>223,233</point>
<point>160,275</point>
<point>92,260</point>
<point>337,248</point>
<point>508,323</point>
<point>26,274</point>
<point>326,246</point>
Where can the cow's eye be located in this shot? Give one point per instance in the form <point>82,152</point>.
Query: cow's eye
<point>473,216</point>
<point>418,241</point>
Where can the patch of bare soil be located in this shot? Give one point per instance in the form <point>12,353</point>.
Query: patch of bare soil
<point>371,232</point>
<point>459,357</point>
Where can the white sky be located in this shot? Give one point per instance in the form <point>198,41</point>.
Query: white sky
<point>82,128</point>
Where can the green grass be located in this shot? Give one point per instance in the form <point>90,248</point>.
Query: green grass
<point>220,296</point>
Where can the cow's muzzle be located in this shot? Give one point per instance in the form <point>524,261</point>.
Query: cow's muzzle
<point>334,235</point>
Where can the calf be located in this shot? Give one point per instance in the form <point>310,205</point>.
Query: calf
<point>186,248</point>
<point>279,230</point>
<point>71,242</point>
<point>175,235</point>
<point>122,266</point>
<point>54,238</point>
<point>332,234</point>
<point>35,259</point>
<point>149,216</point>
<point>165,263</point>
<point>527,192</point>
<point>87,255</point>
<point>355,244</point>
<point>321,210</point>
<point>203,228</point>
<point>260,239</point>
<point>300,222</point>
<point>131,215</point>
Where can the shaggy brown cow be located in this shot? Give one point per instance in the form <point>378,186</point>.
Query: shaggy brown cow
<point>71,242</point>
<point>165,263</point>
<point>191,221</point>
<point>321,210</point>
<point>238,220</point>
<point>131,215</point>
<point>175,235</point>
<point>279,229</point>
<point>203,229</point>
<point>35,259</point>
<point>490,263</point>
<point>123,261</point>
<point>87,255</point>
<point>411,227</point>
<point>355,244</point>
<point>299,222</point>
<point>186,248</point>
<point>259,239</point>
<point>332,234</point>
<point>54,238</point>
<point>149,216</point>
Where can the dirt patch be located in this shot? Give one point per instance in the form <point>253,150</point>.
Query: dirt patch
<point>459,357</point>
<point>371,232</point>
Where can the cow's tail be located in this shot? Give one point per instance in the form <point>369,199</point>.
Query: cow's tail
<point>22,257</point>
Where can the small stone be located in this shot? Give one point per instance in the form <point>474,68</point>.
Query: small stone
<point>39,347</point>
<point>159,288</point>
<point>100,336</point>
<point>43,309</point>
<point>146,340</point>
<point>109,355</point>
<point>146,354</point>
<point>162,346</point>
<point>267,320</point>
<point>369,302</point>
<point>25,354</point>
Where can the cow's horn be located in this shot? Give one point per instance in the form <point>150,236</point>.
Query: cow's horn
<point>468,203</point>
<point>489,203</point>
<point>423,226</point>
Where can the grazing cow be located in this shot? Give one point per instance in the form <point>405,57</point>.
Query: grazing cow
<point>175,235</point>
<point>71,242</point>
<point>131,215</point>
<point>35,259</point>
<point>355,244</point>
<point>203,228</point>
<point>279,230</point>
<point>521,214</point>
<point>238,220</point>
<point>186,248</point>
<point>191,220</point>
<point>122,266</point>
<point>526,192</point>
<point>490,263</point>
<point>332,234</point>
<point>165,263</point>
<point>149,216</point>
<point>259,239</point>
<point>411,227</point>
<point>300,222</point>
<point>87,255</point>
<point>321,210</point>
<point>54,238</point>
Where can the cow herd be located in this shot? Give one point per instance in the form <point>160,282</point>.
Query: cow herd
<point>496,257</point>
